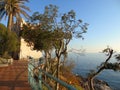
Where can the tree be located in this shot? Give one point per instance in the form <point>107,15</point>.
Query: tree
<point>40,30</point>
<point>53,32</point>
<point>13,8</point>
<point>68,28</point>
<point>105,65</point>
<point>8,41</point>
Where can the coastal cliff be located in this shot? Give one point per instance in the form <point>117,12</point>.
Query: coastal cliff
<point>81,83</point>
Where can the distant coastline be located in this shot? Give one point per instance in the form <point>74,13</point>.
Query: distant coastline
<point>93,60</point>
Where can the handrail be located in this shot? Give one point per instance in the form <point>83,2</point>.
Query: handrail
<point>59,81</point>
<point>31,66</point>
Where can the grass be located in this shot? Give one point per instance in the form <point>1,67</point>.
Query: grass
<point>78,87</point>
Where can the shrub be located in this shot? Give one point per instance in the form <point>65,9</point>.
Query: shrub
<point>8,42</point>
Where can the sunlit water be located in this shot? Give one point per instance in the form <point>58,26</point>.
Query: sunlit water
<point>87,62</point>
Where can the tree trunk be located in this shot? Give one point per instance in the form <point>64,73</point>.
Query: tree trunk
<point>10,22</point>
<point>91,83</point>
<point>91,78</point>
<point>46,64</point>
<point>59,52</point>
<point>58,70</point>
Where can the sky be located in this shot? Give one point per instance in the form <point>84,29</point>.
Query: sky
<point>103,17</point>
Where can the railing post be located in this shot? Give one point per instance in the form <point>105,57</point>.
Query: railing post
<point>40,80</point>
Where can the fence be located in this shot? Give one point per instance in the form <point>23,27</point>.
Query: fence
<point>38,85</point>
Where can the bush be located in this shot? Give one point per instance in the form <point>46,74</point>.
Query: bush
<point>8,42</point>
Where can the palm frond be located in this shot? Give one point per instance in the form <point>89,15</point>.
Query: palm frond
<point>24,7</point>
<point>24,14</point>
<point>14,7</point>
<point>2,14</point>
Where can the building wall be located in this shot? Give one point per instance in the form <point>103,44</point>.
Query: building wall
<point>26,51</point>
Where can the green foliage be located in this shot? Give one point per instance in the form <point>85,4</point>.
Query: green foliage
<point>52,30</point>
<point>72,26</point>
<point>2,27</point>
<point>113,66</point>
<point>13,9</point>
<point>8,41</point>
<point>40,39</point>
<point>117,57</point>
<point>107,51</point>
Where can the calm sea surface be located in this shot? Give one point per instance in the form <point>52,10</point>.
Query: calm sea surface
<point>85,63</point>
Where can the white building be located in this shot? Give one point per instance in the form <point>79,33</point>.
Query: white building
<point>26,50</point>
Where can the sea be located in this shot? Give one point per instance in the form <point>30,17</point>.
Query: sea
<point>86,62</point>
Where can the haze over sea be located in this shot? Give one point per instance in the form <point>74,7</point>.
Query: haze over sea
<point>89,61</point>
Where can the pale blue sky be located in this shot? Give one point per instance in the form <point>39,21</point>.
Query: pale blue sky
<point>102,15</point>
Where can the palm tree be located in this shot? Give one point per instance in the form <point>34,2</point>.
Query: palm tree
<point>13,9</point>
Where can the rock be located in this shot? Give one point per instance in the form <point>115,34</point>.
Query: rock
<point>98,84</point>
<point>101,85</point>
<point>10,61</point>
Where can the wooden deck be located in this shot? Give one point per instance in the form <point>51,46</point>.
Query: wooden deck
<point>15,76</point>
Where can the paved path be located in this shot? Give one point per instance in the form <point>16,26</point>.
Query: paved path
<point>14,77</point>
